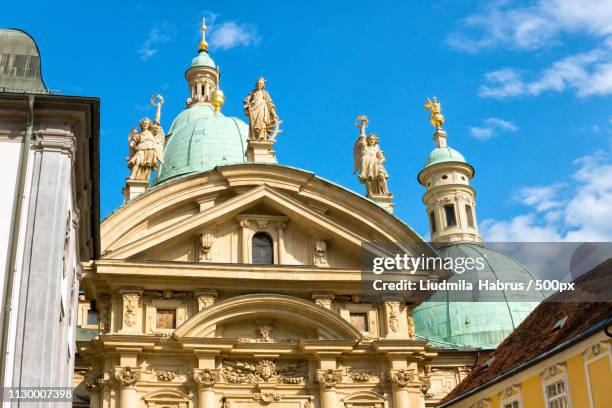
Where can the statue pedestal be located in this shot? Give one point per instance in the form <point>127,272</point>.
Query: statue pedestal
<point>384,200</point>
<point>134,188</point>
<point>260,151</point>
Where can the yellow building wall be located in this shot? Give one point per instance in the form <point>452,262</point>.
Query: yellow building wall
<point>589,378</point>
<point>600,375</point>
<point>532,393</point>
<point>579,392</point>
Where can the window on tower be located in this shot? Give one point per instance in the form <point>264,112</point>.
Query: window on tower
<point>470,215</point>
<point>262,249</point>
<point>449,211</point>
<point>432,221</point>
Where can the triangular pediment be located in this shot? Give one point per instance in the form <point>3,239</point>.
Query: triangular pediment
<point>263,204</point>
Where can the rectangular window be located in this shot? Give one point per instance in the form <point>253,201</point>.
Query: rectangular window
<point>511,404</point>
<point>556,394</point>
<point>449,211</point>
<point>432,220</point>
<point>470,216</point>
<point>166,318</point>
<point>360,321</point>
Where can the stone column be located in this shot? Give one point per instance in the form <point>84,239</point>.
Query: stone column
<point>399,385</point>
<point>127,378</point>
<point>205,379</point>
<point>328,376</point>
<point>206,376</point>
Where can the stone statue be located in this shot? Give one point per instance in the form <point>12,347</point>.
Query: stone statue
<point>369,161</point>
<point>435,117</point>
<point>259,108</point>
<point>147,145</point>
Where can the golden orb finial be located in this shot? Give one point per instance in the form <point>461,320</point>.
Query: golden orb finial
<point>217,99</point>
<point>435,117</point>
<point>203,44</point>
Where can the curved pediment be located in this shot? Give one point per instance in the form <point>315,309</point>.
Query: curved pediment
<point>165,223</point>
<point>304,315</point>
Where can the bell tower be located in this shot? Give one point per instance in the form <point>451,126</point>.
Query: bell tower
<point>203,77</point>
<point>449,199</point>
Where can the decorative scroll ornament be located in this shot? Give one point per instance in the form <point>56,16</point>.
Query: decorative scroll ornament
<point>266,397</point>
<point>264,371</point>
<point>147,145</point>
<point>127,375</point>
<point>259,108</point>
<point>369,161</point>
<point>329,378</point>
<point>206,377</point>
<point>402,377</point>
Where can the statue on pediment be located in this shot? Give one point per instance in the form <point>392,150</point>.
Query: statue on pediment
<point>259,108</point>
<point>369,161</point>
<point>147,145</point>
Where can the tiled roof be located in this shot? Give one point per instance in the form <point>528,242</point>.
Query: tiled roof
<point>541,332</point>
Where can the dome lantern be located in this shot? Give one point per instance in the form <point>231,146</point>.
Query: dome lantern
<point>203,75</point>
<point>449,199</point>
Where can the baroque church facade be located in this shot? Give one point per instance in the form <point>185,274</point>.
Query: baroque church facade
<point>234,281</point>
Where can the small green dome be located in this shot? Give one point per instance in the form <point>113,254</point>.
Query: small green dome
<point>201,139</point>
<point>482,321</point>
<point>443,154</point>
<point>203,60</point>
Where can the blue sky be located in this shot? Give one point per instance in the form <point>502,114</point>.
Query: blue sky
<point>525,87</point>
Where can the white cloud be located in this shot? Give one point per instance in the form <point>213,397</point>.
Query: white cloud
<point>492,127</point>
<point>159,34</point>
<point>542,25</point>
<point>503,23</point>
<point>586,74</point>
<point>580,210</point>
<point>231,34</point>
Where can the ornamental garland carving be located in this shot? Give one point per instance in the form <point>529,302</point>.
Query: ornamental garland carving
<point>329,378</point>
<point>263,371</point>
<point>402,377</point>
<point>166,375</point>
<point>127,375</point>
<point>206,377</point>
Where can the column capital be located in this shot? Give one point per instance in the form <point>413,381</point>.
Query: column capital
<point>55,140</point>
<point>206,377</point>
<point>403,377</point>
<point>329,378</point>
<point>127,376</point>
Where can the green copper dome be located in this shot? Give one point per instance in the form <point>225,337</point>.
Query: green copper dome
<point>201,139</point>
<point>203,60</point>
<point>483,321</point>
<point>443,154</point>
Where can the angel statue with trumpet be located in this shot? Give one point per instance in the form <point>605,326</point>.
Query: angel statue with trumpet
<point>147,145</point>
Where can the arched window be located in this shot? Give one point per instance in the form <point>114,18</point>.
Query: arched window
<point>263,253</point>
